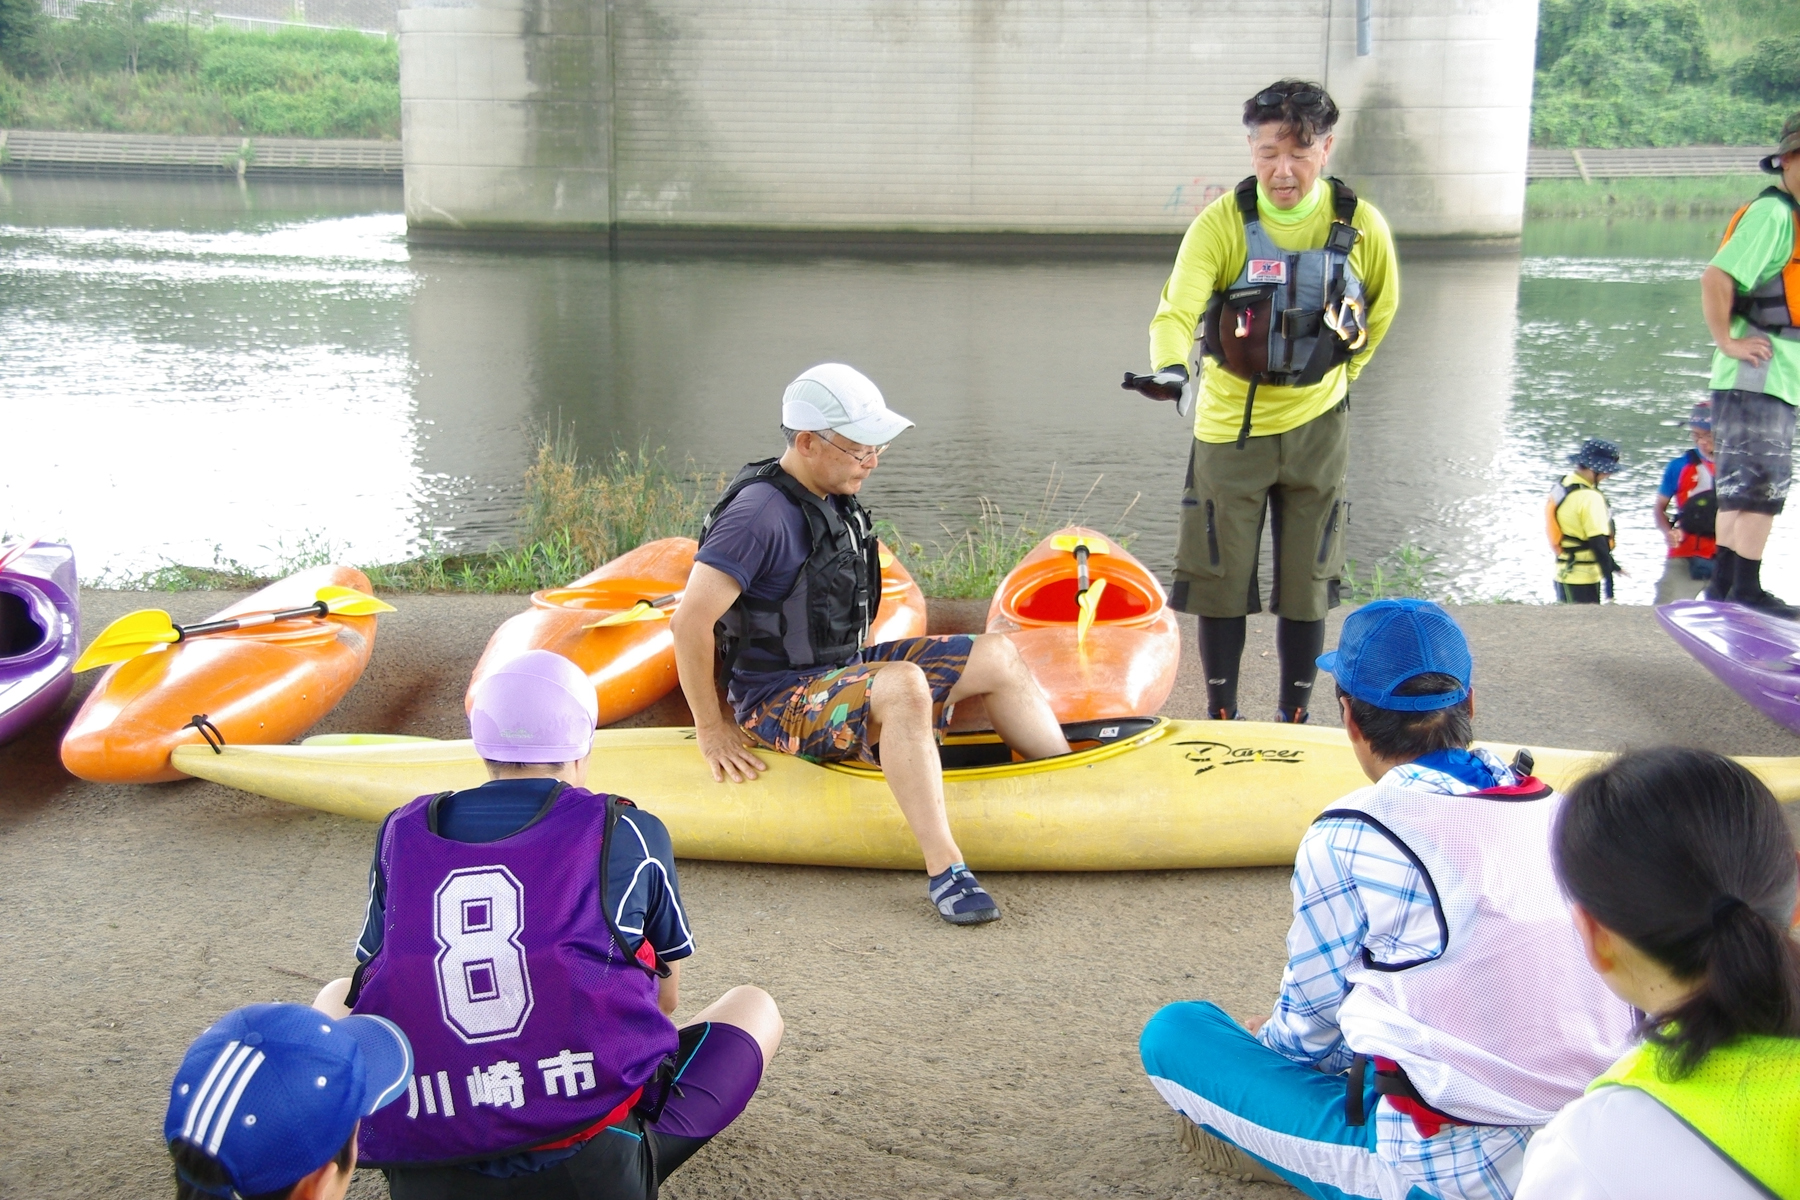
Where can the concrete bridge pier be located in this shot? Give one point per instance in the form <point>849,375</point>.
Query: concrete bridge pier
<point>866,123</point>
<point>506,117</point>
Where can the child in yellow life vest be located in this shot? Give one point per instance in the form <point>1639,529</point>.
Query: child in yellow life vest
<point>1580,526</point>
<point>1681,873</point>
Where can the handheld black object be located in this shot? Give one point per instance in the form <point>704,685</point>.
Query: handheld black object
<point>1148,385</point>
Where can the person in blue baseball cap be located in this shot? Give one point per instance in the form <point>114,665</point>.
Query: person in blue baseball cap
<point>268,1100</point>
<point>1436,1007</point>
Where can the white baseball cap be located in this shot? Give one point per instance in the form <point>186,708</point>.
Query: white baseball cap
<point>844,400</point>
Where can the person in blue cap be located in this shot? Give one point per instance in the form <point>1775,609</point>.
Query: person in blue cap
<point>1436,1007</point>
<point>1581,527</point>
<point>267,1102</point>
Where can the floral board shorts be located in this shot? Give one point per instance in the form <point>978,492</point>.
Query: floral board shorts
<point>826,719</point>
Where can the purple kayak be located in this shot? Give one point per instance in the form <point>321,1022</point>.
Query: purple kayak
<point>40,633</point>
<point>1754,654</point>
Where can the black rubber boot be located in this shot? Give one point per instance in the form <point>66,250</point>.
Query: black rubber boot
<point>1724,574</point>
<point>1221,655</point>
<point>1298,645</point>
<point>1747,589</point>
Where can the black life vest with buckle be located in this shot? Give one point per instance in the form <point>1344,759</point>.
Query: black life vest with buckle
<point>1291,316</point>
<point>824,619</point>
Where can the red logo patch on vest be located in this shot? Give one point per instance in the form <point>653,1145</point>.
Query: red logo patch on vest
<point>1267,270</point>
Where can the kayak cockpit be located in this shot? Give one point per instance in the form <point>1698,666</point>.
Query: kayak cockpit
<point>982,755</point>
<point>26,619</point>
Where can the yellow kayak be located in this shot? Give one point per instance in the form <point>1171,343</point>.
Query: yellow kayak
<point>1145,793</point>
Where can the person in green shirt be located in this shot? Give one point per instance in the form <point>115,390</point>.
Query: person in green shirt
<point>1293,282</point>
<point>1750,296</point>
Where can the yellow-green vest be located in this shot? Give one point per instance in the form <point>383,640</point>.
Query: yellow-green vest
<point>1744,1098</point>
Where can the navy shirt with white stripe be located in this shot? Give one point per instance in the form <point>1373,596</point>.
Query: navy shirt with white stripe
<point>640,888</point>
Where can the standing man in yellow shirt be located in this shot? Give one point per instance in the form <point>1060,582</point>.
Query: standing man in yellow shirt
<point>1290,282</point>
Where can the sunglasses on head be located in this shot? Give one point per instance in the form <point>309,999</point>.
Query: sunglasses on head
<point>1274,97</point>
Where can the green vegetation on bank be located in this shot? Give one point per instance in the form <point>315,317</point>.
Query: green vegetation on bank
<point>1694,196</point>
<point>117,69</point>
<point>1665,72</point>
<point>577,515</point>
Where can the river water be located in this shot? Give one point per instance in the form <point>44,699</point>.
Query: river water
<point>195,370</point>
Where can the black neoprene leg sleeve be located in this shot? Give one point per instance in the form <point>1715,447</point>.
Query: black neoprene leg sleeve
<point>1298,645</point>
<point>1221,649</point>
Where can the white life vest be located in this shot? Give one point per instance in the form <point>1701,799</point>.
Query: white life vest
<point>1508,1023</point>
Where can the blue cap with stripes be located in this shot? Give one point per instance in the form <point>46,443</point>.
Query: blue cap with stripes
<point>273,1091</point>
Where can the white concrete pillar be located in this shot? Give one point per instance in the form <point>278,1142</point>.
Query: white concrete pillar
<point>1437,116</point>
<point>506,116</point>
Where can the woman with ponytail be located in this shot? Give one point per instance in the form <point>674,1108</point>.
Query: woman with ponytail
<point>1682,874</point>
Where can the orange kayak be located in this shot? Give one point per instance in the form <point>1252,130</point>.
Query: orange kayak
<point>901,613</point>
<point>1125,667</point>
<point>265,685</point>
<point>632,665</point>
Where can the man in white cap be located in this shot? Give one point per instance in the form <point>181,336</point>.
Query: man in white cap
<point>785,585</point>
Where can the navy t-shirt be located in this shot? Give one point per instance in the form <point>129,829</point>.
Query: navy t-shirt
<point>640,890</point>
<point>761,541</point>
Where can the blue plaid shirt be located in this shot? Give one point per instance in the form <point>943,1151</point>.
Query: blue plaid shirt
<point>1353,888</point>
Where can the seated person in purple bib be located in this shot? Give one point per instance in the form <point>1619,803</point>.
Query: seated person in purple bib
<point>785,586</point>
<point>1437,1006</point>
<point>267,1102</point>
<point>528,936</point>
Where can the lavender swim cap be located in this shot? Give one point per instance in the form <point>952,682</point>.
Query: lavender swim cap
<point>536,708</point>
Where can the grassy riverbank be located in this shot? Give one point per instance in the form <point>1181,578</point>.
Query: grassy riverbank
<point>1704,196</point>
<point>114,69</point>
<point>577,515</point>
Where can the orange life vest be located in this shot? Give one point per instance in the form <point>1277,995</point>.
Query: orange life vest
<point>1775,305</point>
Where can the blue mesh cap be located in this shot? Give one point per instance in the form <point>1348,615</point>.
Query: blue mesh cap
<point>1386,643</point>
<point>273,1091</point>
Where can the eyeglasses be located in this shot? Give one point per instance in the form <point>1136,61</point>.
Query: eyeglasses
<point>865,458</point>
<point>1275,97</point>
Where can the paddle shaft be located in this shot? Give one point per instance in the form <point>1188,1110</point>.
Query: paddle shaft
<point>1081,570</point>
<point>317,608</point>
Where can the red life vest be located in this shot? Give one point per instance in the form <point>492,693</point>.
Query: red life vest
<point>1695,482</point>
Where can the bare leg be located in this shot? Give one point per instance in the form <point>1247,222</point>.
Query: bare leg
<point>1017,706</point>
<point>750,1009</point>
<point>900,722</point>
<point>330,999</point>
<point>1747,533</point>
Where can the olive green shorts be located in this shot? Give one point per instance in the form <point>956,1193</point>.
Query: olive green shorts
<point>1297,478</point>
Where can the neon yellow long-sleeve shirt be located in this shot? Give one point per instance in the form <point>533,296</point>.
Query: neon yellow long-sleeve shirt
<point>1212,254</point>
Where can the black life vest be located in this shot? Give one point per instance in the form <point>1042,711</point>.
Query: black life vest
<point>824,620</point>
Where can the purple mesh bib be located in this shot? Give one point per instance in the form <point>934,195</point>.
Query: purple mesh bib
<point>529,1021</point>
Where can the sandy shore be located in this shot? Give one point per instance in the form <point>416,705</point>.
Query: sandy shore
<point>921,1060</point>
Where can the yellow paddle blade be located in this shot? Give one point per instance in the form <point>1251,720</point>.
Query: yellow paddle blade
<point>886,556</point>
<point>1089,603</point>
<point>643,610</point>
<point>128,637</point>
<point>1071,542</point>
<point>350,602</point>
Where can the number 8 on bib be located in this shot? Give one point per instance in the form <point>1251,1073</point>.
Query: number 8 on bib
<point>484,987</point>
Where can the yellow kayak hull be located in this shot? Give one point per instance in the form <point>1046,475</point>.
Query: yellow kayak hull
<point>1179,794</point>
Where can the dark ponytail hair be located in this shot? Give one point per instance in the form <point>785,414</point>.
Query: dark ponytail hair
<point>1684,854</point>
